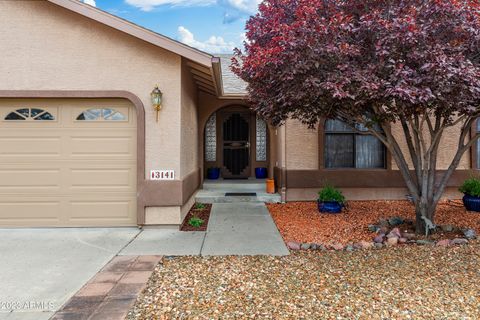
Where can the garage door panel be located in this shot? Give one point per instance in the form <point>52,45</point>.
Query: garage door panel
<point>102,146</point>
<point>27,211</point>
<point>68,172</point>
<point>66,178</point>
<point>114,179</point>
<point>94,211</point>
<point>29,146</point>
<point>14,180</point>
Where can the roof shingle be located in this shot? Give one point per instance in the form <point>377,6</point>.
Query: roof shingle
<point>232,84</point>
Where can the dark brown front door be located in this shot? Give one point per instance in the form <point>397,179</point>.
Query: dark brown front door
<point>235,144</point>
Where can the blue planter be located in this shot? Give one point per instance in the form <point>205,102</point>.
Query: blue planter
<point>329,206</point>
<point>213,173</point>
<point>471,203</point>
<point>261,173</point>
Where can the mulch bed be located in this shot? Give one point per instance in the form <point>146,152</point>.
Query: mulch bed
<point>203,214</point>
<point>301,221</point>
<point>404,282</point>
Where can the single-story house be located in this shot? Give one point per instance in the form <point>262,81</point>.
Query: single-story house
<point>81,143</point>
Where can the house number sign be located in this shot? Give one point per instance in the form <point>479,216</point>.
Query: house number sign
<point>162,175</point>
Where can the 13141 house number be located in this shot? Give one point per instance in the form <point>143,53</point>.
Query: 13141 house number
<point>162,175</point>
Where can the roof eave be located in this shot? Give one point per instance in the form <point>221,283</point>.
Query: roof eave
<point>195,55</point>
<point>233,96</point>
<point>217,75</point>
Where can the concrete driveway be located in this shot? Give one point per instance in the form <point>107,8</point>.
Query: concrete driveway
<point>40,269</point>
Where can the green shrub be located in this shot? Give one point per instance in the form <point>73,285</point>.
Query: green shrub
<point>330,193</point>
<point>471,187</point>
<point>199,206</point>
<point>195,222</point>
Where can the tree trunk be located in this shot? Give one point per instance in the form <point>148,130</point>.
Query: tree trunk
<point>423,136</point>
<point>424,208</point>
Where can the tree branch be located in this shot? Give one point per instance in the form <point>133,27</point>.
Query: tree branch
<point>411,147</point>
<point>397,154</point>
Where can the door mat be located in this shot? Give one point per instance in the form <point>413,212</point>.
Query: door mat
<point>240,194</point>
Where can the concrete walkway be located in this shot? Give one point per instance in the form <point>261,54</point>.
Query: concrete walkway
<point>240,228</point>
<point>165,242</point>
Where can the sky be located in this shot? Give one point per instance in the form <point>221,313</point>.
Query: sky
<point>214,26</point>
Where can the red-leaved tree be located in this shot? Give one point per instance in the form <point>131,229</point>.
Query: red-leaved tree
<point>415,63</point>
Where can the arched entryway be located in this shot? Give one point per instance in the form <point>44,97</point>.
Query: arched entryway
<point>237,142</point>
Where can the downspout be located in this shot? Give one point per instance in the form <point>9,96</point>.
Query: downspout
<point>283,190</point>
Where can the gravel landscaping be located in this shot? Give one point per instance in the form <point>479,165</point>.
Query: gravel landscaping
<point>408,282</point>
<point>301,222</point>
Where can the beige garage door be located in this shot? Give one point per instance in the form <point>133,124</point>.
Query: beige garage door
<point>67,162</point>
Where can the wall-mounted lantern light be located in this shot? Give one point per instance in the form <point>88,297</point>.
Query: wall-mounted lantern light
<point>156,96</point>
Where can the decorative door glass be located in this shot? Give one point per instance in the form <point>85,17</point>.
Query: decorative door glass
<point>211,139</point>
<point>261,153</point>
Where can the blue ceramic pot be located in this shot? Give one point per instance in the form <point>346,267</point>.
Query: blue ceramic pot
<point>213,173</point>
<point>471,203</point>
<point>329,206</point>
<point>261,173</point>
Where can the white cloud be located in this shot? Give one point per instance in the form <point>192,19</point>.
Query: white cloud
<point>148,5</point>
<point>238,9</point>
<point>213,45</point>
<point>234,9</point>
<point>243,37</point>
<point>244,6</point>
<point>90,2</point>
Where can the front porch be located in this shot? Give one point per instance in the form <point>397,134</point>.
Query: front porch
<point>228,191</point>
<point>234,140</point>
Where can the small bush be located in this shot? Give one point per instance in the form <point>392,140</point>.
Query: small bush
<point>199,206</point>
<point>471,187</point>
<point>330,193</point>
<point>195,222</point>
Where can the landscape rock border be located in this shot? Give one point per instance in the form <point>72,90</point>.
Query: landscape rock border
<point>386,236</point>
<point>366,245</point>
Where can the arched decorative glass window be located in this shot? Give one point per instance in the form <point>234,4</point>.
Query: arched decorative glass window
<point>106,114</point>
<point>261,140</point>
<point>211,139</point>
<point>34,114</point>
<point>345,148</point>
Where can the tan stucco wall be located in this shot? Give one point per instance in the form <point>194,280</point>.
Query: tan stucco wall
<point>46,47</point>
<point>302,152</point>
<point>302,146</point>
<point>189,124</point>
<point>172,215</point>
<point>448,147</point>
